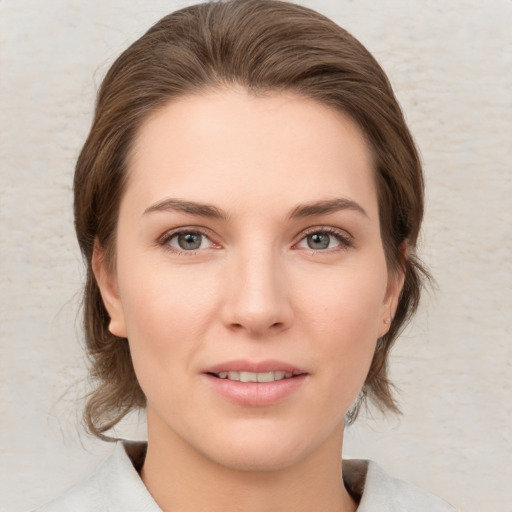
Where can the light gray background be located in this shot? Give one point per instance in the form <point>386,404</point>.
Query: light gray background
<point>451,65</point>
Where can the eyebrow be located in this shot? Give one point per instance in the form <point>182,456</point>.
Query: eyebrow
<point>303,210</point>
<point>325,207</point>
<point>201,209</point>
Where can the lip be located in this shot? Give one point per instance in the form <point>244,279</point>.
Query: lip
<point>255,394</point>
<point>270,365</point>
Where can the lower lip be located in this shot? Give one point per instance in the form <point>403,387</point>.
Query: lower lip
<point>256,393</point>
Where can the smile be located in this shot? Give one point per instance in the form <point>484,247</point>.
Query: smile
<point>255,376</point>
<point>255,389</point>
<point>255,383</point>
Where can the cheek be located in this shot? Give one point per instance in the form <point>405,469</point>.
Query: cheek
<point>162,338</point>
<point>348,299</point>
<point>342,312</point>
<point>155,292</point>
<point>168,311</point>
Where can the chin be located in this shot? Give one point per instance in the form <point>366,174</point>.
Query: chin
<point>258,458</point>
<point>263,448</point>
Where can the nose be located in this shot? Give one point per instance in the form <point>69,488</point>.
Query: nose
<point>257,296</point>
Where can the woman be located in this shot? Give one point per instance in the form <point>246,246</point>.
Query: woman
<point>248,203</point>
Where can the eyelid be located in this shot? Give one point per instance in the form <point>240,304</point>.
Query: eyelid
<point>168,235</point>
<point>345,239</point>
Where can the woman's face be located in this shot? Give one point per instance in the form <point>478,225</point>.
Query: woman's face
<point>248,248</point>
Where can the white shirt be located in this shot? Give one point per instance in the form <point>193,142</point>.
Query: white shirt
<point>117,487</point>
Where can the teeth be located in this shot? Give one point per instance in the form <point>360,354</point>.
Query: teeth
<point>255,377</point>
<point>248,377</point>
<point>266,377</point>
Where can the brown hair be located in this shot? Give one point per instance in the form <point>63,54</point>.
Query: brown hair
<point>262,45</point>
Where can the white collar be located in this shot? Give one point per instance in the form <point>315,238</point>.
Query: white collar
<point>122,489</point>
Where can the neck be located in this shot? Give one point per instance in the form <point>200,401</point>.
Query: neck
<point>180,478</point>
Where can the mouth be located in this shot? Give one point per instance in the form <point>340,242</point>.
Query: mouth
<point>245,376</point>
<point>250,383</point>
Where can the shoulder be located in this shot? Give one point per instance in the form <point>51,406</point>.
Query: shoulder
<point>85,496</point>
<point>115,486</point>
<point>381,493</point>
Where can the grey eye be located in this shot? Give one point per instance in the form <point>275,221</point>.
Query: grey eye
<point>318,241</point>
<point>189,241</point>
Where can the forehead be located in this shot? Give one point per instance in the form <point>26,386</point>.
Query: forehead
<point>230,141</point>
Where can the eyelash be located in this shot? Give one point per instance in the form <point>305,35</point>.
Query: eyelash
<point>344,239</point>
<point>167,237</point>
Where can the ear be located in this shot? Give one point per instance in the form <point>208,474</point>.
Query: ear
<point>107,283</point>
<point>396,281</point>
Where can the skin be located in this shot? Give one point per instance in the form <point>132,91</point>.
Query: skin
<point>254,290</point>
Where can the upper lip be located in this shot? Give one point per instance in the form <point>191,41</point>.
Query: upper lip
<point>240,365</point>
